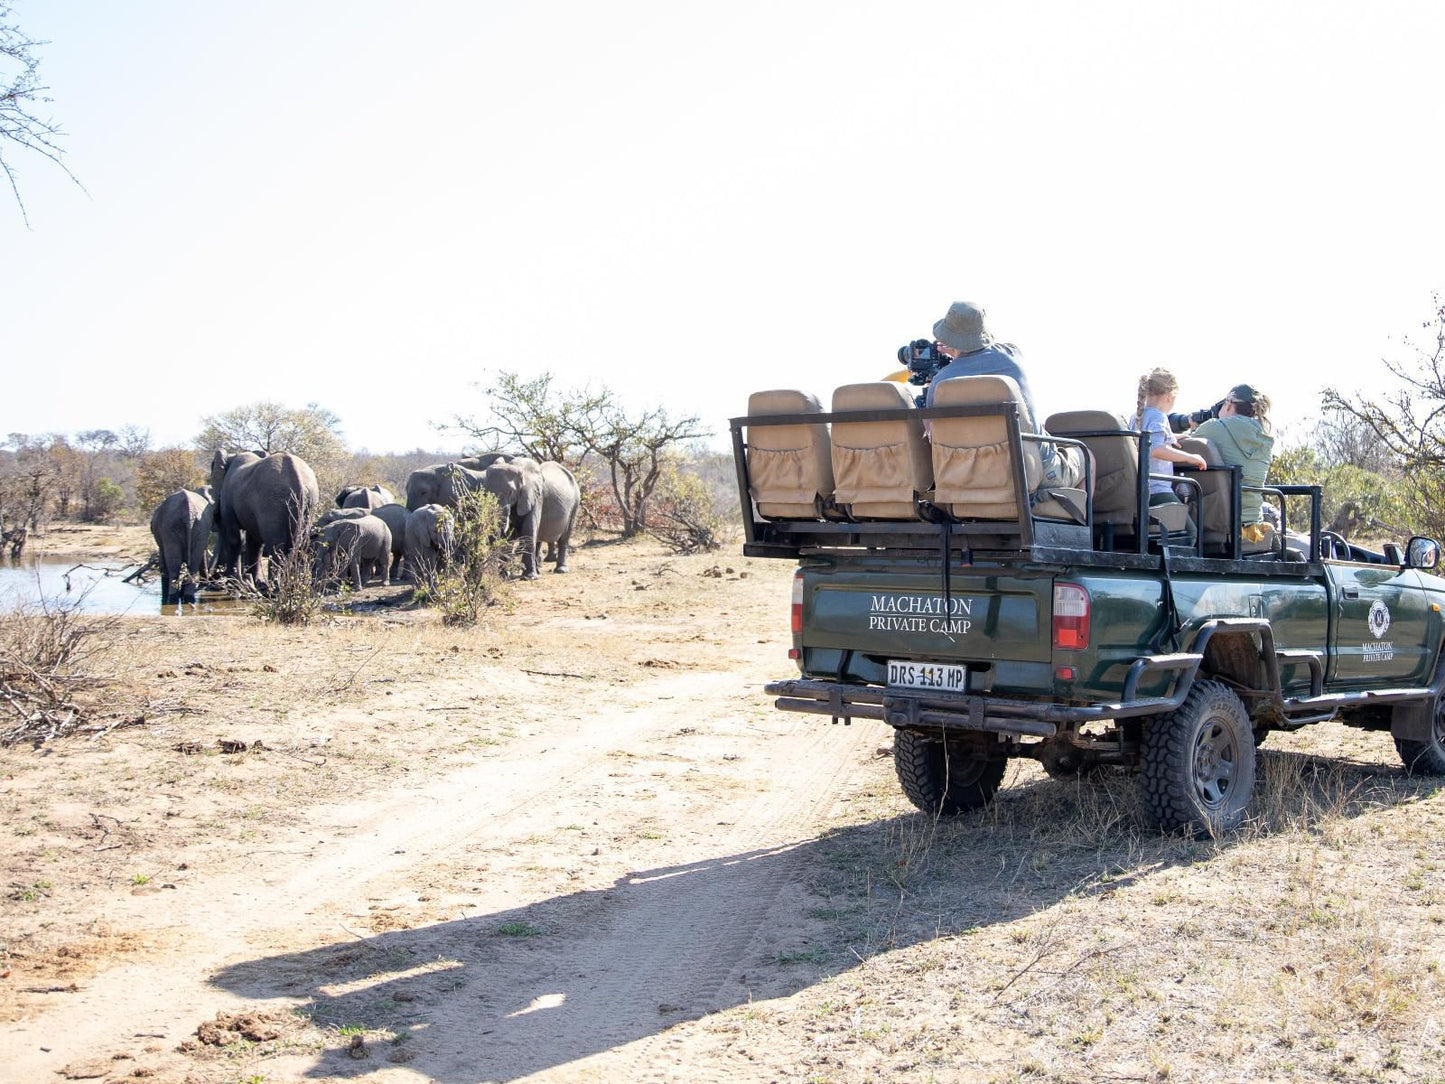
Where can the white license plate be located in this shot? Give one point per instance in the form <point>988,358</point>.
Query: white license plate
<point>926,675</point>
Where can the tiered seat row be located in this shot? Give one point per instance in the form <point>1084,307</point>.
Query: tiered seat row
<point>887,468</point>
<point>890,464</point>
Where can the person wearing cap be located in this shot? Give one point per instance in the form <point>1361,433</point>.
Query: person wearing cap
<point>963,338</point>
<point>1241,435</point>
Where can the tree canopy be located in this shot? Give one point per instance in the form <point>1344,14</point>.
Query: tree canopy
<point>21,92</point>
<point>1407,423</point>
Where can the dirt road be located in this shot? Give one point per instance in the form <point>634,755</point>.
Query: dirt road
<point>625,857</point>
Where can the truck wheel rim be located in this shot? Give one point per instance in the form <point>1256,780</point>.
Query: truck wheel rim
<point>1216,762</point>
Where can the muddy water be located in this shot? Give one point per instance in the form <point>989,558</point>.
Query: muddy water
<point>94,587</point>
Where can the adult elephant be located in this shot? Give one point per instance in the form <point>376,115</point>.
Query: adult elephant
<point>428,540</point>
<point>424,485</point>
<point>360,545</point>
<point>264,504</point>
<point>181,525</point>
<point>367,497</point>
<point>538,502</point>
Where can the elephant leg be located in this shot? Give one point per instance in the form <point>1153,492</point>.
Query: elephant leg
<point>564,541</point>
<point>251,560</point>
<point>528,534</point>
<point>356,578</point>
<point>167,582</point>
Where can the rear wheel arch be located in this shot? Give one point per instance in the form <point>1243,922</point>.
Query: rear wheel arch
<point>1236,657</point>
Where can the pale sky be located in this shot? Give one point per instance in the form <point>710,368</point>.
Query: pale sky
<point>374,205</point>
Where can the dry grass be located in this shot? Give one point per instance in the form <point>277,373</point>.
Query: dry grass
<point>1055,936</point>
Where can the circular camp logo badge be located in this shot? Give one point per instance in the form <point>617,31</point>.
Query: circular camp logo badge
<point>1379,618</point>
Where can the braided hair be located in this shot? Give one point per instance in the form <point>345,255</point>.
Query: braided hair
<point>1154,382</point>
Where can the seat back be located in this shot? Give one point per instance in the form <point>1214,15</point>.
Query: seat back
<point>1116,462</point>
<point>973,461</point>
<point>790,471</point>
<point>881,468</point>
<point>1215,494</point>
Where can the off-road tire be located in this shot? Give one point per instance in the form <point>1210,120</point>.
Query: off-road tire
<point>1426,757</point>
<point>1197,763</point>
<point>944,779</point>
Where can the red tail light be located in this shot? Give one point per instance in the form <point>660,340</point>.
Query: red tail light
<point>798,602</point>
<point>1071,617</point>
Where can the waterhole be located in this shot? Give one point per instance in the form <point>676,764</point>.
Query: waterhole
<point>95,587</point>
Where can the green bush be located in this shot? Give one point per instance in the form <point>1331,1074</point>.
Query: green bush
<point>469,578</point>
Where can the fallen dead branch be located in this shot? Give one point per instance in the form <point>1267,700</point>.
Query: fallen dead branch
<point>46,659</point>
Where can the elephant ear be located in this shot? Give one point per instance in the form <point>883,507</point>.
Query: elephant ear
<point>529,494</point>
<point>218,469</point>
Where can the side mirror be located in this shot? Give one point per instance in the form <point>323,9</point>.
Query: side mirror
<point>1422,552</point>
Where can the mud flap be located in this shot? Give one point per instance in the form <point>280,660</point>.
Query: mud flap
<point>1413,721</point>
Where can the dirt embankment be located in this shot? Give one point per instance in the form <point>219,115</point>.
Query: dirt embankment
<point>578,844</point>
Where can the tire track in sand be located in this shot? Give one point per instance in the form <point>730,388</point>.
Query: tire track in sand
<point>674,947</point>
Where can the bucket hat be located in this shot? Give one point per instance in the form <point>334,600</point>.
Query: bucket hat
<point>962,328</point>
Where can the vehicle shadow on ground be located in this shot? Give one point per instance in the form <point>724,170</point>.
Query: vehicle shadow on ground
<point>502,995</point>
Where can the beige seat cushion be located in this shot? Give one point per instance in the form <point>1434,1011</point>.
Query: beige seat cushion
<point>973,462</point>
<point>880,467</point>
<point>789,469</point>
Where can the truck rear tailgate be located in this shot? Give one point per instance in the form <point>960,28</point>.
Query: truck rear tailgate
<point>987,615</point>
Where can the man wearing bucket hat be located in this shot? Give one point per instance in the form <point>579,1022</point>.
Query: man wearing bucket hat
<point>962,336</point>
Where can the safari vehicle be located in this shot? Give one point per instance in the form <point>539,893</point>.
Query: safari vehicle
<point>939,592</point>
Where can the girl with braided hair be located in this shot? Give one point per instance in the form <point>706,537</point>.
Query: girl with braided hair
<point>1157,391</point>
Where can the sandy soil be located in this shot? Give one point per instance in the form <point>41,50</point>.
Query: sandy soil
<point>577,844</point>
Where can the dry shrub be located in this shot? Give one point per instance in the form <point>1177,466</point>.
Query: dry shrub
<point>469,577</point>
<point>47,656</point>
<point>684,515</point>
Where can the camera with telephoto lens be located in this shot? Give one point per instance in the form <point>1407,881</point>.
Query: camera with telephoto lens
<point>1180,423</point>
<point>922,359</point>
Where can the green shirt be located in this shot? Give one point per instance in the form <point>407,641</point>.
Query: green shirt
<point>1242,442</point>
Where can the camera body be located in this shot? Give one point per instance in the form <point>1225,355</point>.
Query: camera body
<point>922,359</point>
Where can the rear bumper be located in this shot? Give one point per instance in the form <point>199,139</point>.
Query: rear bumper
<point>984,714</point>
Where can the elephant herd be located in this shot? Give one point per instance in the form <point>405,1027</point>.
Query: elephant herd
<point>263,505</point>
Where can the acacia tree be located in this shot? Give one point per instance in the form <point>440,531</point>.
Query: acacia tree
<point>20,93</point>
<point>1408,423</point>
<point>579,428</point>
<point>635,448</point>
<point>534,416</point>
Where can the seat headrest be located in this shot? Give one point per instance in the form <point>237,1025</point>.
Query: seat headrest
<point>874,395</point>
<point>1082,421</point>
<point>784,401</point>
<point>959,390</point>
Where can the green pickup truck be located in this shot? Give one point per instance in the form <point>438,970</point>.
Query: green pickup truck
<point>941,591</point>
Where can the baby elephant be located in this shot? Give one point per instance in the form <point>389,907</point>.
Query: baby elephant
<point>355,544</point>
